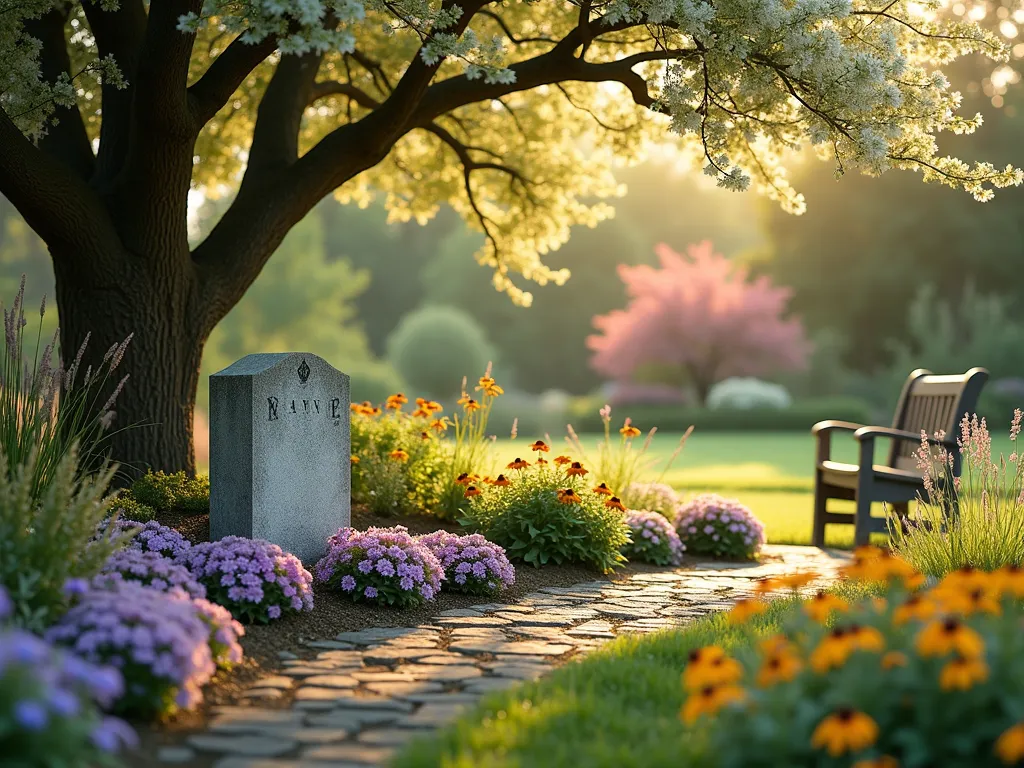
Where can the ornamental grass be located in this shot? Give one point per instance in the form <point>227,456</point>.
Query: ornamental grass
<point>883,673</point>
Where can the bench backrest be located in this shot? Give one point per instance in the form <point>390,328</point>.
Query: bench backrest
<point>933,403</point>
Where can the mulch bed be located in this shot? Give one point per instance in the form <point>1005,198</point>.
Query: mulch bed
<point>331,614</point>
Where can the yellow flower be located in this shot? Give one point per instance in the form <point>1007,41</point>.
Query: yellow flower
<point>628,431</point>
<point>874,564</point>
<point>420,413</point>
<point>472,491</point>
<point>517,463</point>
<point>399,455</point>
<point>710,666</point>
<point>966,578</point>
<point>493,391</point>
<point>615,503</point>
<point>821,606</point>
<point>1010,579</point>
<point>540,445</point>
<point>776,644</point>
<point>502,481</point>
<point>916,608</point>
<point>708,700</point>
<point>744,610</point>
<point>568,496</point>
<point>796,580</point>
<point>1009,746</point>
<point>576,469</point>
<point>396,401</point>
<point>353,459</point>
<point>968,601</point>
<point>603,490</point>
<point>765,586</point>
<point>439,425</point>
<point>778,668</point>
<point>885,761</point>
<point>541,460</point>
<point>866,638</point>
<point>463,479</point>
<point>471,405</point>
<point>943,636</point>
<point>894,659</point>
<point>961,674</point>
<point>845,730</point>
<point>833,650</point>
<point>560,460</point>
<point>463,400</point>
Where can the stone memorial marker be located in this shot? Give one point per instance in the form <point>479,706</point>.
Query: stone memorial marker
<point>279,451</point>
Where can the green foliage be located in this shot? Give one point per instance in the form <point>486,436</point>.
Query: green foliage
<point>373,382</point>
<point>177,492</point>
<point>129,508</point>
<point>46,534</point>
<point>533,525</point>
<point>975,521</point>
<point>432,343</point>
<point>799,417</point>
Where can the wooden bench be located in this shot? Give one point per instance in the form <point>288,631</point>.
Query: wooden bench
<point>927,403</point>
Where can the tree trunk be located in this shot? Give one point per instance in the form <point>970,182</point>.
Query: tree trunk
<point>155,301</point>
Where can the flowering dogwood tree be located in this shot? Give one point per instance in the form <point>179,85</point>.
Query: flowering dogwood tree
<point>111,111</point>
<point>697,320</point>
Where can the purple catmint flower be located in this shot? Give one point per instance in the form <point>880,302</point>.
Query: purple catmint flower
<point>383,564</point>
<point>654,540</point>
<point>30,715</point>
<point>712,525</point>
<point>151,569</point>
<point>483,566</point>
<point>248,576</point>
<point>148,537</point>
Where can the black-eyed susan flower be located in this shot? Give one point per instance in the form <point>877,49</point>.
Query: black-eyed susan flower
<point>832,651</point>
<point>399,455</point>
<point>744,610</point>
<point>471,405</point>
<point>866,638</point>
<point>893,659</point>
<point>463,479</point>
<point>845,730</point>
<point>968,601</point>
<point>710,668</point>
<point>942,636</point>
<point>576,468</point>
<point>424,435</point>
<point>568,496</point>
<point>961,674</point>
<point>885,761</point>
<point>472,491</point>
<point>603,489</point>
<point>797,580</point>
<point>914,608</point>
<point>823,604</point>
<point>353,459</point>
<point>517,463</point>
<point>465,398</point>
<point>501,481</point>
<point>709,700</point>
<point>421,413</point>
<point>776,644</point>
<point>396,401</point>
<point>767,586</point>
<point>615,503</point>
<point>628,431</point>
<point>1010,580</point>
<point>440,425</point>
<point>541,461</point>
<point>540,445</point>
<point>560,460</point>
<point>1009,747</point>
<point>778,668</point>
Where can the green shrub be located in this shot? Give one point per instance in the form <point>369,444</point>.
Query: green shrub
<point>128,508</point>
<point>177,492</point>
<point>986,531</point>
<point>799,417</point>
<point>536,524</point>
<point>46,535</point>
<point>430,346</point>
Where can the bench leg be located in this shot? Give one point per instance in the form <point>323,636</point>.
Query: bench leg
<point>862,517</point>
<point>820,504</point>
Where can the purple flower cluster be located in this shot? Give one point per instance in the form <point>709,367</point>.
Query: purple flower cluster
<point>472,564</point>
<point>252,578</point>
<point>657,496</point>
<point>712,525</point>
<point>224,633</point>
<point>151,569</point>
<point>151,537</point>
<point>385,565</point>
<point>654,539</point>
<point>56,701</point>
<point>157,640</point>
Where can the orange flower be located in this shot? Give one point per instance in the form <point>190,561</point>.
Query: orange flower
<point>940,637</point>
<point>541,460</point>
<point>961,674</point>
<point>353,459</point>
<point>396,401</point>
<point>502,481</point>
<point>833,650</point>
<point>471,405</point>
<point>894,659</point>
<point>845,730</point>
<point>568,496</point>
<point>744,610</point>
<point>615,503</point>
<point>518,463</point>
<point>796,580</point>
<point>603,490</point>
<point>969,601</point>
<point>560,460</point>
<point>1009,746</point>
<point>576,469</point>
<point>399,455</point>
<point>821,606</point>
<point>463,479</point>
<point>765,586</point>
<point>421,413</point>
<point>866,638</point>
<point>628,431</point>
<point>472,491</point>
<point>885,761</point>
<point>1010,579</point>
<point>778,668</point>
<point>439,425</point>
<point>708,700</point>
<point>915,607</point>
<point>540,445</point>
<point>710,666</point>
<point>464,399</point>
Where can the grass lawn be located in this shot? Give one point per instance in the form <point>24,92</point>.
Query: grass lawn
<point>617,707</point>
<point>770,472</point>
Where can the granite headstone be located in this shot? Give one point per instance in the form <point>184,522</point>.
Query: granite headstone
<point>279,451</point>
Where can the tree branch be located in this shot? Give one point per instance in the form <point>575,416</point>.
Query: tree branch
<point>223,77</point>
<point>119,34</point>
<point>65,139</point>
<point>324,88</point>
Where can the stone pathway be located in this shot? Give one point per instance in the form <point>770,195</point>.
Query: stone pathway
<point>368,692</point>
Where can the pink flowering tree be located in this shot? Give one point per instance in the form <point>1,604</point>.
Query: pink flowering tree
<point>695,320</point>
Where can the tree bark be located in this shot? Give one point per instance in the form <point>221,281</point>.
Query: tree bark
<point>154,300</point>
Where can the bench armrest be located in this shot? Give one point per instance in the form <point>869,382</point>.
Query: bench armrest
<point>870,433</point>
<point>823,431</point>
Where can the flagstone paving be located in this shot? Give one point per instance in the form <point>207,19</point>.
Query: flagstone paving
<point>368,692</point>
